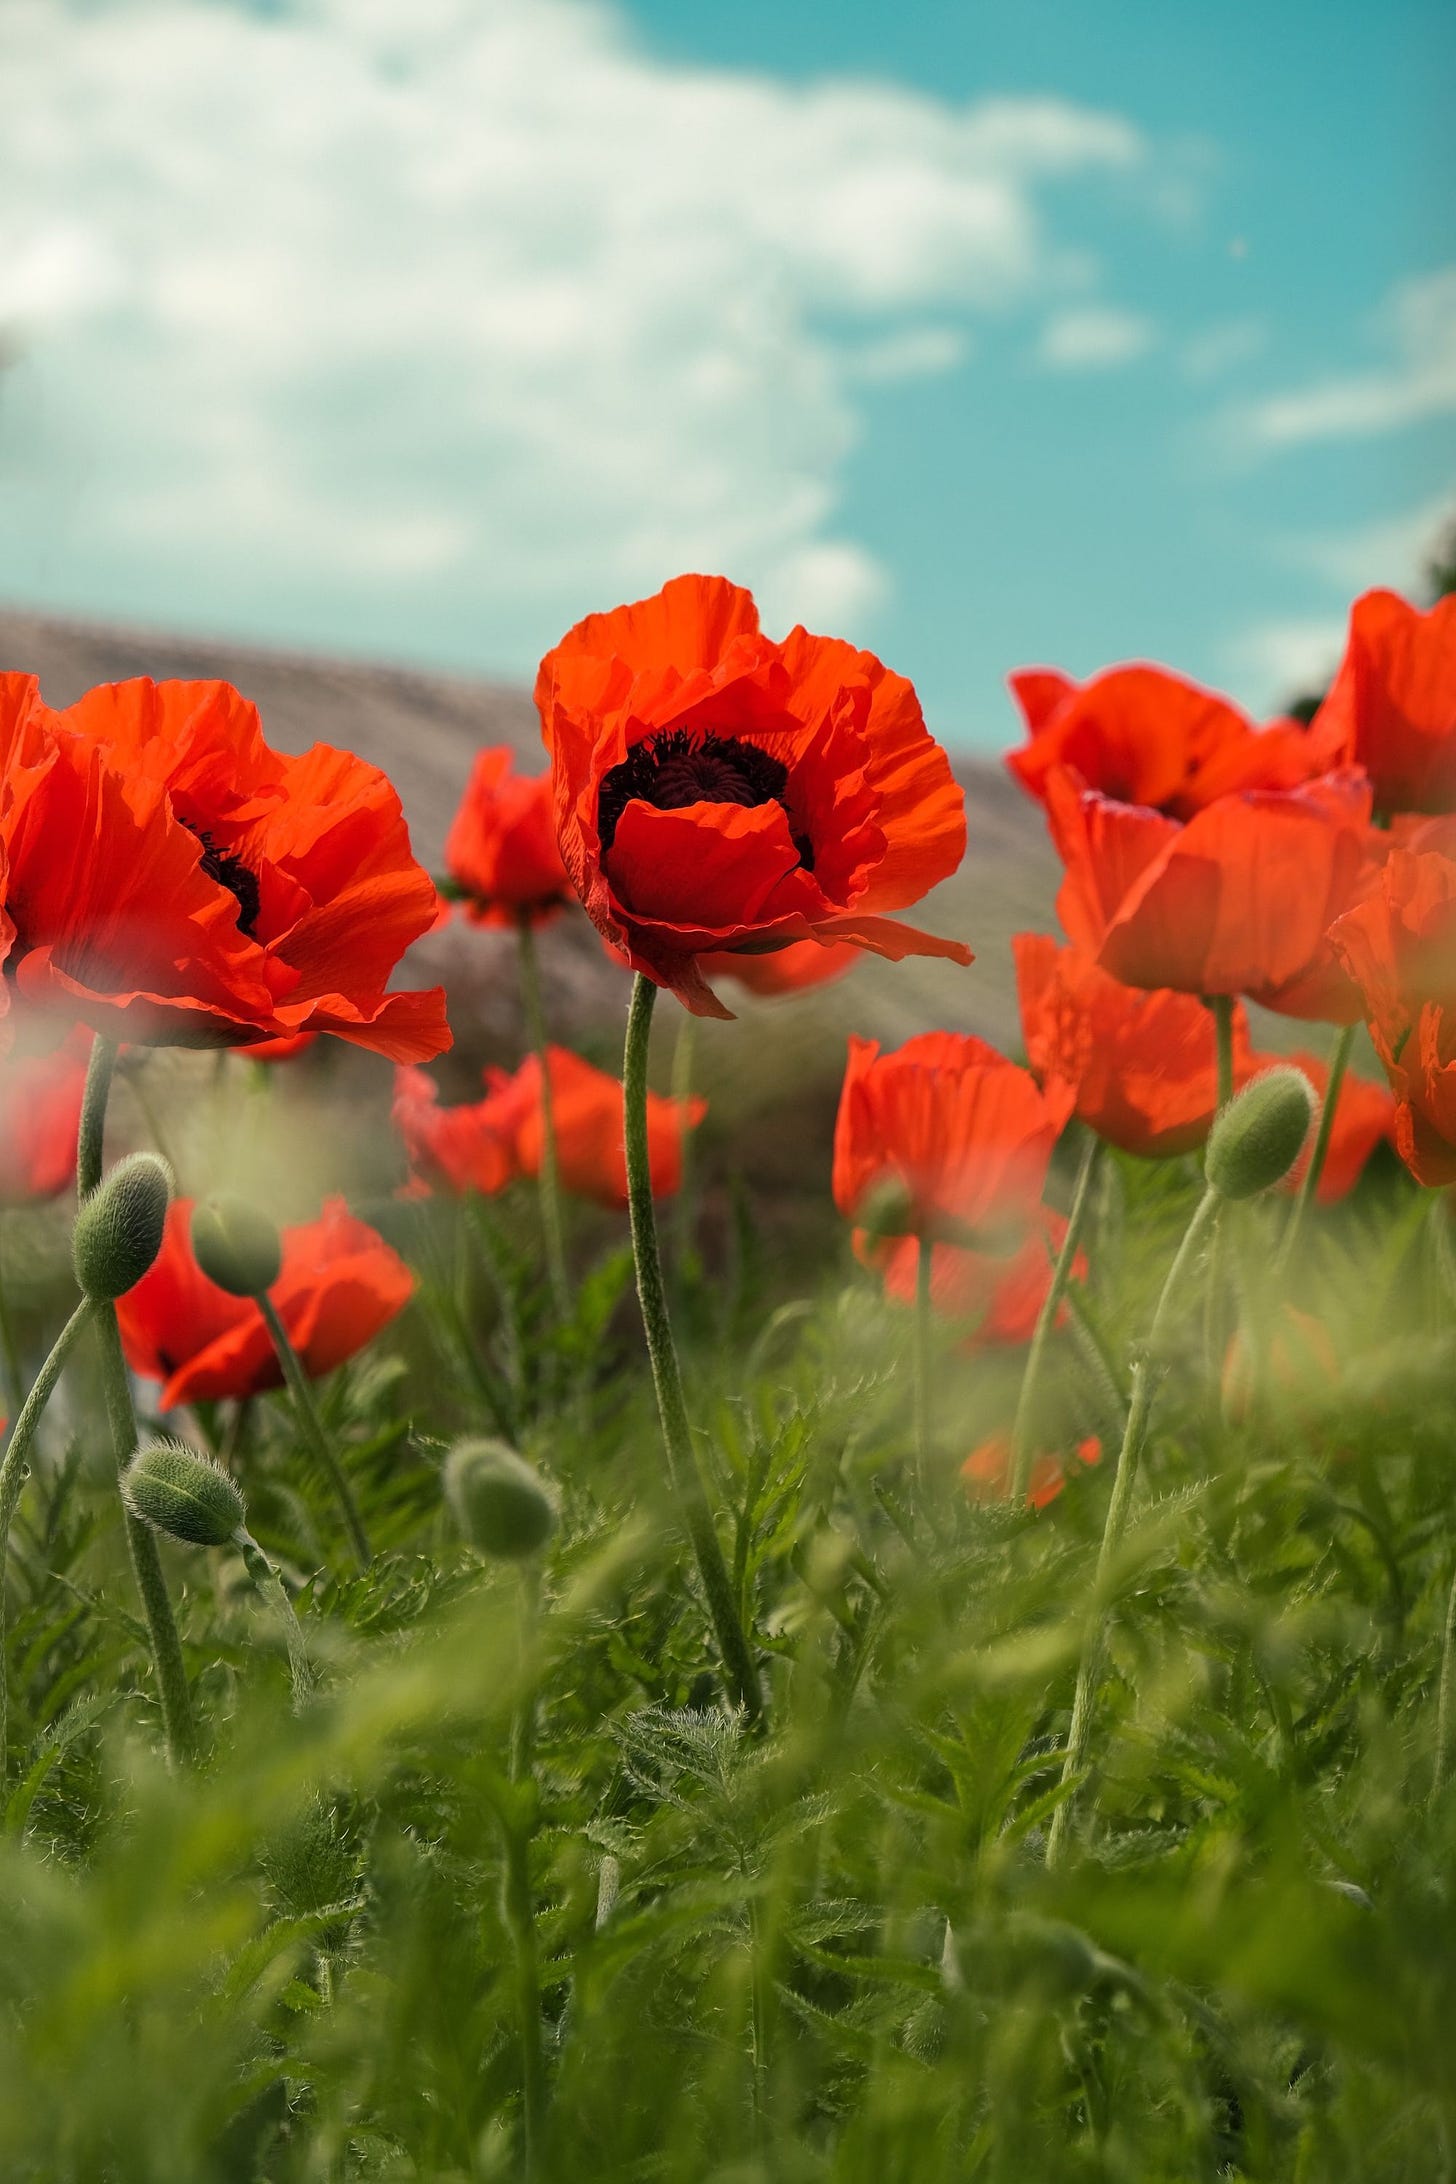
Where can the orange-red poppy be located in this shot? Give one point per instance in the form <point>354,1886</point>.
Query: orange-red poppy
<point>1141,1063</point>
<point>1237,901</point>
<point>286,1049</point>
<point>1001,1294</point>
<point>1399,945</point>
<point>795,969</point>
<point>987,1470</point>
<point>108,915</point>
<point>340,1285</point>
<point>1392,705</point>
<point>717,791</point>
<point>40,1114</point>
<point>1143,735</point>
<point>944,1139</point>
<point>304,865</point>
<point>486,1144</point>
<point>501,851</point>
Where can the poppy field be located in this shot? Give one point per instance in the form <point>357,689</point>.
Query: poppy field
<point>521,1659</point>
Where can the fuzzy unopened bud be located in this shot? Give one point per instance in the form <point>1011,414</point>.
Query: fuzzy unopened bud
<point>187,1496</point>
<point>119,1226</point>
<point>1258,1136</point>
<point>501,1505</point>
<point>887,1209</point>
<point>236,1246</point>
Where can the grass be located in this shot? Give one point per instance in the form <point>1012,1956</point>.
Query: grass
<point>831,1951</point>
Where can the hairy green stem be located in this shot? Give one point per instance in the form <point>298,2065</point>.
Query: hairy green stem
<point>550,1176</point>
<point>141,1541</point>
<point>518,1897</point>
<point>1339,1062</point>
<point>14,1472</point>
<point>1022,1448</point>
<point>1145,1377</point>
<point>314,1432</point>
<point>271,1588</point>
<point>682,1458</point>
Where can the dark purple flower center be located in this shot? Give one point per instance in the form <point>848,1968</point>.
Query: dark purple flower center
<point>677,767</point>
<point>230,872</point>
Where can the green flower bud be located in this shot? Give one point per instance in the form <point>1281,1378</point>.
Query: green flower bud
<point>501,1505</point>
<point>887,1209</point>
<point>1258,1137</point>
<point>187,1496</point>
<point>236,1246</point>
<point>119,1226</point>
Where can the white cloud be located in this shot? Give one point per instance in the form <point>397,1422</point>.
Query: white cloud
<point>1278,661</point>
<point>1417,326</point>
<point>1392,551</point>
<point>1094,338</point>
<point>350,302</point>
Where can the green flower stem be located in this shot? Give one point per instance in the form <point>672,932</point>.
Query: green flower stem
<point>306,1411</point>
<point>13,1474</point>
<point>1223,1033</point>
<point>924,1269</point>
<point>1022,1450</point>
<point>1339,1062</point>
<point>682,1460</point>
<point>493,1258</point>
<point>518,1897</point>
<point>1146,1374</point>
<point>550,1176</point>
<point>1446,1702</point>
<point>271,1589</point>
<point>141,1541</point>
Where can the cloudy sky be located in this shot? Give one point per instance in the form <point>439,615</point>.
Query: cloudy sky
<point>986,335</point>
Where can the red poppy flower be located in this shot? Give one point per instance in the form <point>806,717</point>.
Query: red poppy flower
<point>485,1145</point>
<point>716,790</point>
<point>304,863</point>
<point>987,1470</point>
<point>1399,945</point>
<point>278,1050</point>
<point>1002,1294</point>
<point>1237,901</point>
<point>1392,706</point>
<point>339,1286</point>
<point>795,969</point>
<point>946,1125</point>
<point>40,1114</point>
<point>1141,1064</point>
<point>1143,735</point>
<point>107,912</point>
<point>501,851</point>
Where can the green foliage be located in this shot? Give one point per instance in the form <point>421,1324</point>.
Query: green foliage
<point>831,1952</point>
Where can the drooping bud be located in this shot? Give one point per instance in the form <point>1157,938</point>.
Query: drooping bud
<point>501,1505</point>
<point>1257,1138</point>
<point>119,1226</point>
<point>187,1496</point>
<point>236,1246</point>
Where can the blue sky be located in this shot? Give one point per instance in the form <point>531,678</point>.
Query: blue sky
<point>984,335</point>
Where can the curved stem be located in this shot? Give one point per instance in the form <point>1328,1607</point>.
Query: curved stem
<point>314,1432</point>
<point>13,1475</point>
<point>550,1176</point>
<point>271,1588</point>
<point>682,1459</point>
<point>141,1541</point>
<point>1339,1062</point>
<point>1021,1430</point>
<point>1146,1374</point>
<point>924,1269</point>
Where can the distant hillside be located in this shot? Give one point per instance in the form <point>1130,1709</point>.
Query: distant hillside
<point>423,728</point>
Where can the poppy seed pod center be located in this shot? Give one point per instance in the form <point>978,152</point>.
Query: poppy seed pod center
<point>679,766</point>
<point>230,872</point>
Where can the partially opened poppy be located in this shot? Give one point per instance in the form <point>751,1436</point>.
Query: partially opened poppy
<point>717,791</point>
<point>987,1470</point>
<point>1143,735</point>
<point>485,1144</point>
<point>945,1140</point>
<point>1392,705</point>
<point>1399,945</point>
<point>501,851</point>
<point>40,1114</point>
<point>340,1285</point>
<point>1141,1063</point>
<point>1000,1293</point>
<point>306,860</point>
<point>1237,901</point>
